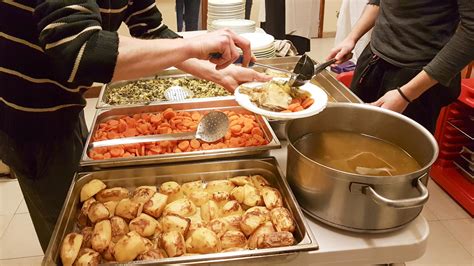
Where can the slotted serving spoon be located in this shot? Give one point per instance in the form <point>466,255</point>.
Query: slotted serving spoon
<point>212,127</point>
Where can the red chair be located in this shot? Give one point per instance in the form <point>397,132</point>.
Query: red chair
<point>345,78</point>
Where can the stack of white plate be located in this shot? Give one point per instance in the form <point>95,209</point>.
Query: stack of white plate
<point>262,44</point>
<point>224,9</point>
<point>237,25</point>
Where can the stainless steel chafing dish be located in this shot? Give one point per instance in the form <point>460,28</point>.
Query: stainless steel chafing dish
<point>196,105</point>
<point>206,171</point>
<point>336,91</point>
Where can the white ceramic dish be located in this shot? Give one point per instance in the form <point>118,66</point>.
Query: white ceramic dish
<point>320,101</point>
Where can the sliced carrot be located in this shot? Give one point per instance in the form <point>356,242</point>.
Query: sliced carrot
<point>299,108</point>
<point>307,103</point>
<point>235,129</point>
<point>107,155</point>
<point>169,113</point>
<point>257,131</point>
<point>155,119</point>
<point>177,150</point>
<point>195,144</point>
<point>293,106</point>
<point>205,146</point>
<point>183,145</point>
<point>296,100</point>
<point>113,122</point>
<point>117,152</point>
<point>286,111</point>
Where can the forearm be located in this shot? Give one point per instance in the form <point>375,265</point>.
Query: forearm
<point>138,58</point>
<point>201,69</point>
<point>365,22</point>
<point>418,85</point>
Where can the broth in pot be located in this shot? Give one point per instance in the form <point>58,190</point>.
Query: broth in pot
<point>356,153</point>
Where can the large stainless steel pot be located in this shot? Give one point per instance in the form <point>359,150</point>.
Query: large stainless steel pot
<point>356,202</point>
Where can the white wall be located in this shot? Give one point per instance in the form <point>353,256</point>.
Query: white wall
<point>330,15</point>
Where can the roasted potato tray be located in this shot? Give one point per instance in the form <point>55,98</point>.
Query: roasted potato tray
<point>133,177</point>
<point>198,105</point>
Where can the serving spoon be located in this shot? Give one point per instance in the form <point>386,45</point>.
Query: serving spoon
<point>212,127</point>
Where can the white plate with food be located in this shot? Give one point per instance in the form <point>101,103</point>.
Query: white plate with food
<point>277,100</point>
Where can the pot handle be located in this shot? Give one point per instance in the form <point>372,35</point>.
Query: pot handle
<point>400,203</point>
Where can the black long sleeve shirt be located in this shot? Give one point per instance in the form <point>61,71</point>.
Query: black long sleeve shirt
<point>435,35</point>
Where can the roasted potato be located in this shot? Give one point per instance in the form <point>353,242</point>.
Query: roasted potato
<point>182,207</point>
<point>86,233</point>
<point>108,254</point>
<point>233,221</point>
<point>143,193</point>
<point>219,186</point>
<point>154,254</point>
<point>247,195</point>
<point>173,243</point>
<point>70,248</point>
<point>259,181</point>
<point>128,209</point>
<point>271,197</point>
<point>209,211</point>
<point>265,228</point>
<point>111,205</point>
<point>148,244</point>
<point>282,219</point>
<point>233,249</point>
<point>251,196</point>
<point>220,198</point>
<point>199,198</point>
<point>129,247</point>
<point>190,187</point>
<point>253,218</point>
<point>91,188</point>
<point>119,228</point>
<point>275,239</point>
<point>241,180</point>
<point>172,190</point>
<point>195,224</point>
<point>176,223</point>
<point>101,236</point>
<point>97,212</point>
<point>233,239</point>
<point>155,205</point>
<point>231,208</point>
<point>218,226</point>
<point>112,194</point>
<point>144,225</point>
<point>203,241</point>
<point>83,218</point>
<point>88,257</point>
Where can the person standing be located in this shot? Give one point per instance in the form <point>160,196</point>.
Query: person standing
<point>417,50</point>
<point>187,13</point>
<point>52,51</point>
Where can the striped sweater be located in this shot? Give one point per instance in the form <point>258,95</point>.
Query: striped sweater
<point>51,52</point>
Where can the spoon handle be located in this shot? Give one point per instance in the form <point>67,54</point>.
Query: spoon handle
<point>143,139</point>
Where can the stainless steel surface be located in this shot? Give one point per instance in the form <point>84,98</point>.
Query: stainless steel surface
<point>400,203</point>
<point>196,105</point>
<point>337,198</point>
<point>138,176</point>
<point>212,127</point>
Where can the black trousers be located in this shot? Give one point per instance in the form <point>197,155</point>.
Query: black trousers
<point>45,169</point>
<point>373,77</point>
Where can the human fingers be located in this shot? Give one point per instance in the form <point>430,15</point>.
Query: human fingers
<point>333,53</point>
<point>244,45</point>
<point>378,103</point>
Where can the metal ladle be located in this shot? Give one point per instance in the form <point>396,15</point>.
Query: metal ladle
<point>212,127</point>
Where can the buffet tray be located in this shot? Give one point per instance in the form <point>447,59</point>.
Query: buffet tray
<point>169,73</point>
<point>196,105</point>
<point>336,91</point>
<point>137,176</point>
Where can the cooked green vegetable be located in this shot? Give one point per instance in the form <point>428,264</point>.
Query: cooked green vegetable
<point>145,91</point>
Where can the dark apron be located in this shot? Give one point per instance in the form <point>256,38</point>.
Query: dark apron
<point>373,77</point>
<point>45,169</point>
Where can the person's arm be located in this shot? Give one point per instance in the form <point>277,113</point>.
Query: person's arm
<point>145,21</point>
<point>363,25</point>
<point>454,56</point>
<point>82,52</point>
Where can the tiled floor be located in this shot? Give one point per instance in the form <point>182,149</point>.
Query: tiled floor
<point>451,240</point>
